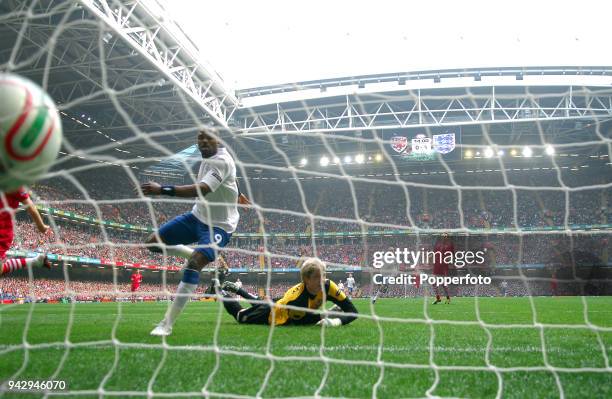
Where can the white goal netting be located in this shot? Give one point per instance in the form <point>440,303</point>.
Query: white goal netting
<point>511,164</point>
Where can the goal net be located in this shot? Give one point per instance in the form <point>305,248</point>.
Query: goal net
<point>381,177</point>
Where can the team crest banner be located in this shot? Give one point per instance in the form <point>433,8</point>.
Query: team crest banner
<point>444,143</point>
<point>399,143</point>
<point>422,145</point>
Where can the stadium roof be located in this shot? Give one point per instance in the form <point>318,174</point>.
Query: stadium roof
<point>130,86</point>
<point>255,44</point>
<point>133,88</point>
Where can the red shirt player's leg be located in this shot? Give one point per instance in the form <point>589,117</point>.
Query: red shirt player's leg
<point>6,235</point>
<point>441,270</point>
<point>6,240</point>
<point>554,287</point>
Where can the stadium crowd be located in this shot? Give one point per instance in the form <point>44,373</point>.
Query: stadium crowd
<point>47,290</point>
<point>89,241</point>
<point>385,205</point>
<point>330,206</point>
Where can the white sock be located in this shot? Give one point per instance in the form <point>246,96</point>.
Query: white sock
<point>182,251</point>
<point>183,294</point>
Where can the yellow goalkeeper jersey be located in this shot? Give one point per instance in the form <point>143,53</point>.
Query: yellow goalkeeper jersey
<point>300,297</point>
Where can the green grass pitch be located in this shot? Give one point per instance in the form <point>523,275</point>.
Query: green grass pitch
<point>111,351</point>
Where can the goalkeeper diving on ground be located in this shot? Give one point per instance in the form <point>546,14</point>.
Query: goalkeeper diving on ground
<point>298,306</point>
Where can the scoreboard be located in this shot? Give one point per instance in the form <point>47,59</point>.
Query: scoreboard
<point>426,145</point>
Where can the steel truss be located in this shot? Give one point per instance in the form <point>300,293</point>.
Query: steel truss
<point>163,44</point>
<point>98,57</point>
<point>149,66</point>
<point>426,108</point>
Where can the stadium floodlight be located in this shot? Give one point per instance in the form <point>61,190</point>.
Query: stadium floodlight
<point>348,159</point>
<point>550,150</point>
<point>324,161</point>
<point>336,160</point>
<point>378,158</point>
<point>469,154</point>
<point>303,162</point>
<point>527,152</point>
<point>359,158</point>
<point>513,152</point>
<point>488,152</point>
<point>500,153</point>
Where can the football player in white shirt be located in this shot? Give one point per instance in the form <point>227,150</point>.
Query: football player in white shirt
<point>210,223</point>
<point>350,284</point>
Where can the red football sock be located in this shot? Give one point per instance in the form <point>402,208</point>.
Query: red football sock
<point>10,265</point>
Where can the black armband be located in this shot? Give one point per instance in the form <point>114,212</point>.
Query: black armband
<point>168,190</point>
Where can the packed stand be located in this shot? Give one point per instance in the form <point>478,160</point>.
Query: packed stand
<point>316,206</point>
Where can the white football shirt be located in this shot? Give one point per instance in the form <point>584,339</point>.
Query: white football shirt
<point>350,282</point>
<point>218,208</point>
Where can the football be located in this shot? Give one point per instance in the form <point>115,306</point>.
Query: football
<point>31,132</point>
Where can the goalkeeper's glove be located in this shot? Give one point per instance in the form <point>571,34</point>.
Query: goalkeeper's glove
<point>330,322</point>
<point>335,308</point>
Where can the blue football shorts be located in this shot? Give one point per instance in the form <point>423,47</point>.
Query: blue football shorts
<point>188,229</point>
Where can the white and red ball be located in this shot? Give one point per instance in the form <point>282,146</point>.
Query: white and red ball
<point>30,129</point>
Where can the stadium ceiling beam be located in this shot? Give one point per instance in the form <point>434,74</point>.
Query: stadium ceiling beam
<point>20,9</point>
<point>83,85</point>
<point>76,56</point>
<point>173,57</point>
<point>417,110</point>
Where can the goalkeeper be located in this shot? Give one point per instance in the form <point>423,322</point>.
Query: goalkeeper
<point>310,294</point>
